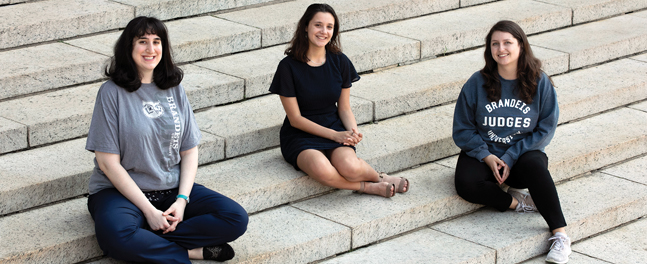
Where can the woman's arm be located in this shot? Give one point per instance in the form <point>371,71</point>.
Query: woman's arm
<point>293,113</point>
<point>347,117</point>
<point>188,170</point>
<point>110,165</point>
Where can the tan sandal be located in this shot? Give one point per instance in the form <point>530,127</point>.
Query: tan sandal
<point>377,190</point>
<point>394,180</point>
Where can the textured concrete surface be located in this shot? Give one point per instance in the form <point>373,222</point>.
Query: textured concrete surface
<point>464,3</point>
<point>13,136</point>
<point>57,19</point>
<point>167,9</point>
<point>54,116</point>
<point>574,258</point>
<point>593,90</point>
<point>211,148</point>
<point>641,57</point>
<point>206,88</point>
<point>423,246</point>
<point>626,244</point>
<point>449,162</point>
<point>552,62</point>
<point>432,198</point>
<point>44,67</point>
<point>289,235</point>
<point>259,181</point>
<point>44,175</point>
<point>278,21</point>
<point>586,212</point>
<point>191,39</point>
<point>589,10</point>
<point>60,233</point>
<point>582,146</point>
<point>633,170</point>
<point>467,27</point>
<point>597,41</point>
<point>255,124</point>
<point>256,67</point>
<point>640,106</point>
<point>409,140</point>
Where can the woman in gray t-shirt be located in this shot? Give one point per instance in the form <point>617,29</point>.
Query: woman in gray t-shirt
<point>143,197</point>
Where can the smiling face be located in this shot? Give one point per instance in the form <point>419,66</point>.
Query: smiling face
<point>147,53</point>
<point>505,50</point>
<point>320,29</point>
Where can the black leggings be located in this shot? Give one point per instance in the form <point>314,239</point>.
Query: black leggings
<point>475,183</point>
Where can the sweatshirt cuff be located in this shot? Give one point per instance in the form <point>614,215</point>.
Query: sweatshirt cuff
<point>508,160</point>
<point>482,154</point>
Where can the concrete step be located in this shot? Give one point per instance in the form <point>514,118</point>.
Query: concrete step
<point>586,212</point>
<point>598,41</point>
<point>12,135</point>
<point>589,10</point>
<point>594,90</point>
<point>58,19</point>
<point>367,49</point>
<point>488,236</point>
<point>410,88</point>
<point>39,68</point>
<point>633,170</point>
<point>192,38</point>
<point>623,245</point>
<point>432,198</point>
<point>423,246</point>
<point>254,124</point>
<point>642,57</point>
<point>71,119</point>
<point>466,27</point>
<point>278,22</point>
<point>640,106</point>
<point>60,171</point>
<point>574,258</point>
<point>61,233</point>
<point>168,9</point>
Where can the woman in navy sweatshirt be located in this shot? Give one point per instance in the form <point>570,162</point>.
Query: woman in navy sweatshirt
<point>505,115</point>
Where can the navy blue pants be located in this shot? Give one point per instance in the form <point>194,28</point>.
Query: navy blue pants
<point>476,183</point>
<point>122,231</point>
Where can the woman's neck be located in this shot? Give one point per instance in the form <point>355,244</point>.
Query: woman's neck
<point>316,55</point>
<point>508,73</point>
<point>146,77</point>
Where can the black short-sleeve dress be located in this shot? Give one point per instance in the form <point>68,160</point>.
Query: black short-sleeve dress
<point>317,90</point>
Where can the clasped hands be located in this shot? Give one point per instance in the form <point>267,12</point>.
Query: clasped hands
<point>496,165</point>
<point>348,138</point>
<point>168,220</point>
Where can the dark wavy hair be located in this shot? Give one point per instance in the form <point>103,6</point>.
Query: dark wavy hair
<point>122,68</point>
<point>298,47</point>
<point>528,66</point>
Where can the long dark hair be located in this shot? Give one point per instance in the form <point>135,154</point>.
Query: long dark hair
<point>528,66</point>
<point>298,47</point>
<point>122,68</point>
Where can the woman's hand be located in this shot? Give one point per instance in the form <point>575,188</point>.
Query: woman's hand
<point>496,165</point>
<point>355,138</point>
<point>175,214</point>
<point>158,221</point>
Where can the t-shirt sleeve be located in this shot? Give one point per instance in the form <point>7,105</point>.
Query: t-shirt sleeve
<point>283,82</point>
<point>349,74</point>
<point>103,135</point>
<point>192,135</point>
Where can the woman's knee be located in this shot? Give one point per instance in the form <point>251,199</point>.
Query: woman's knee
<point>114,238</point>
<point>350,167</point>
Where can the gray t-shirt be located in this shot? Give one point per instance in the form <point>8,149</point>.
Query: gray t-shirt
<point>148,128</point>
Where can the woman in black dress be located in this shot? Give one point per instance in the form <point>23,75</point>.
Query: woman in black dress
<point>319,133</point>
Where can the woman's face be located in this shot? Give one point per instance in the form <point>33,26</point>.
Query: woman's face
<point>505,48</point>
<point>320,29</point>
<point>147,53</point>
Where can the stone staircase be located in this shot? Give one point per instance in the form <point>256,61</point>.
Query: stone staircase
<point>413,55</point>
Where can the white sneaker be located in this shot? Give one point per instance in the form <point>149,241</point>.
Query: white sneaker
<point>526,204</point>
<point>560,249</point>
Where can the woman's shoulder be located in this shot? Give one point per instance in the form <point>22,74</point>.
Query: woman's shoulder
<point>339,57</point>
<point>475,80</point>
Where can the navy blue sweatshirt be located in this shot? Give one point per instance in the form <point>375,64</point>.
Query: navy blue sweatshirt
<point>506,128</point>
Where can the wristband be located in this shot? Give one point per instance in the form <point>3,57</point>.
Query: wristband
<point>183,197</point>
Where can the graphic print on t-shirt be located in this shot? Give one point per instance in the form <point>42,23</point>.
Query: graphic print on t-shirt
<point>506,116</point>
<point>153,109</point>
